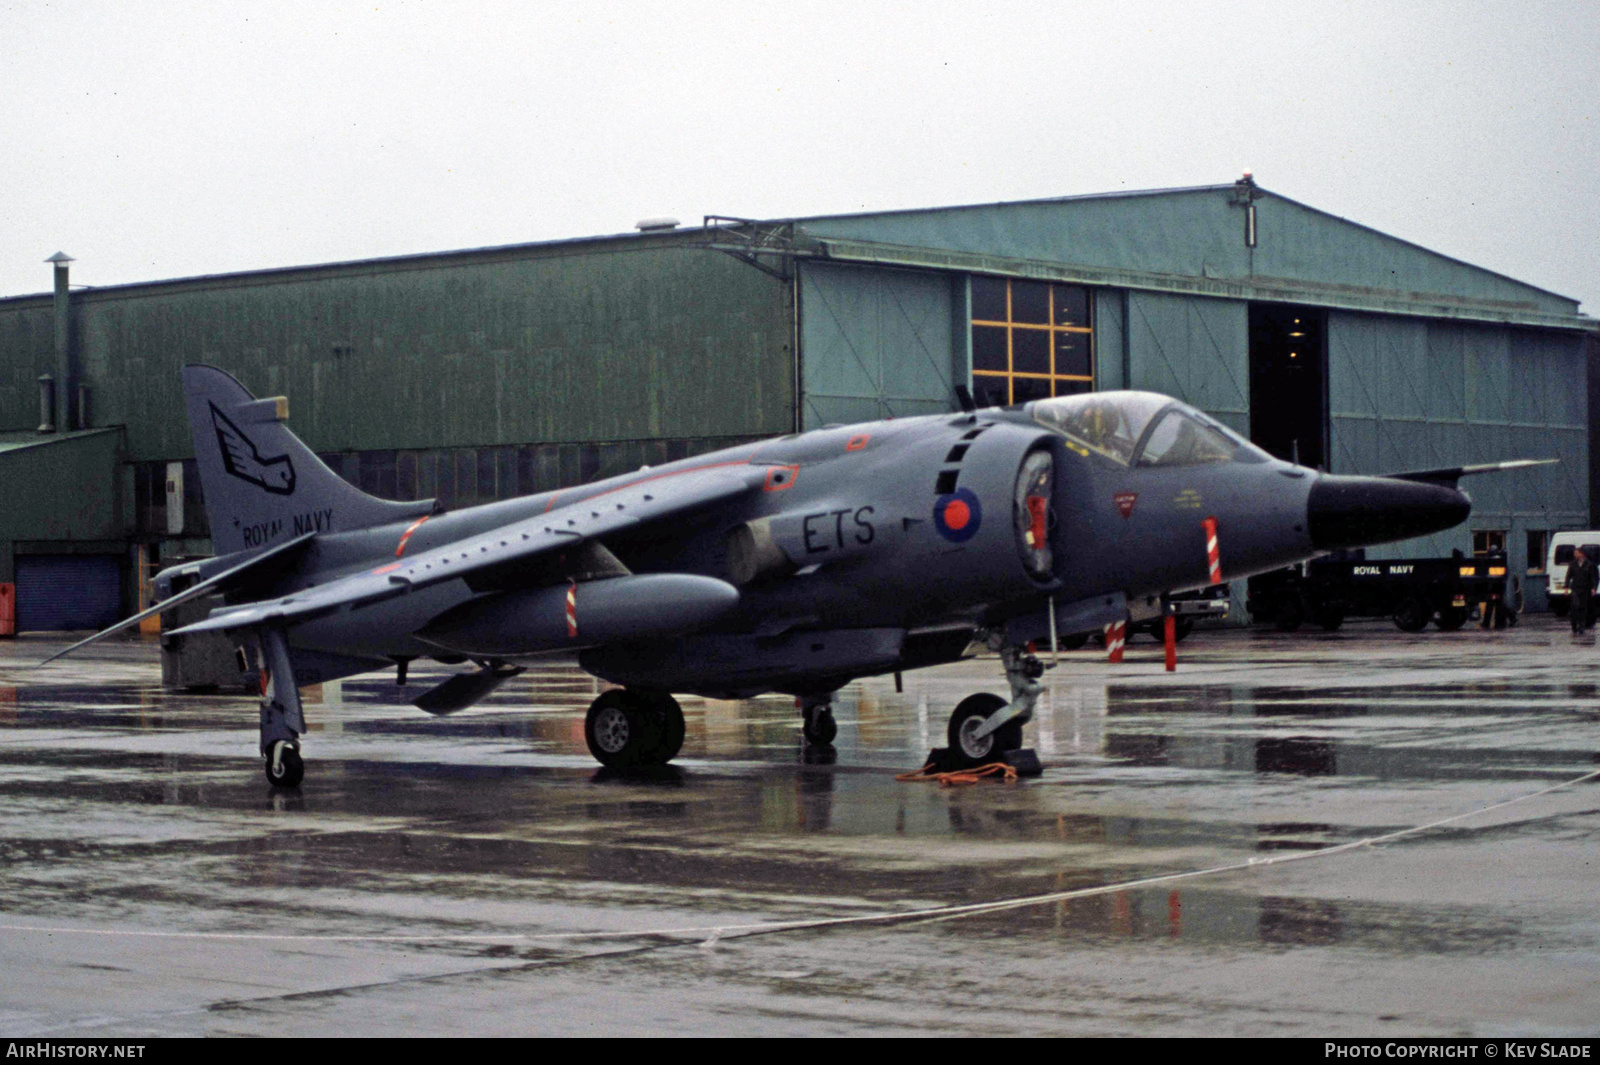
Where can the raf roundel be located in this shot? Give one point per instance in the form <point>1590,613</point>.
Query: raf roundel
<point>958,515</point>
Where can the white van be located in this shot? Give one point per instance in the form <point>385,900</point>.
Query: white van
<point>1561,546</point>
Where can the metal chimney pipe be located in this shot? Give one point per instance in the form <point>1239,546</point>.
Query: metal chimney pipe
<point>47,403</point>
<point>63,387</point>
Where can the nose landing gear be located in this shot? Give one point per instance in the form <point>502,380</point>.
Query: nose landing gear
<point>986,728</point>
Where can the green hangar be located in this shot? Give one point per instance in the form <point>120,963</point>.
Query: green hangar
<point>482,374</point>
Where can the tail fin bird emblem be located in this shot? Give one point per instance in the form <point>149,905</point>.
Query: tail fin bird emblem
<point>241,459</point>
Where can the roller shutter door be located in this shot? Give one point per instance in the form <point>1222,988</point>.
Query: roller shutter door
<point>57,592</point>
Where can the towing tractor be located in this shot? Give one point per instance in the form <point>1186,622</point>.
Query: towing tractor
<point>1411,591</point>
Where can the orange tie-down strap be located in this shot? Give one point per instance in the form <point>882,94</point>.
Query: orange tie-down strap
<point>959,777</point>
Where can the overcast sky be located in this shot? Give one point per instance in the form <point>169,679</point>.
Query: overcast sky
<point>168,139</point>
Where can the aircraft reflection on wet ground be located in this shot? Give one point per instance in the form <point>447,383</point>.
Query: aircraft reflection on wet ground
<point>125,810</point>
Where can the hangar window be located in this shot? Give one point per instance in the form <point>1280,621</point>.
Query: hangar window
<point>1030,340</point>
<point>1538,549</point>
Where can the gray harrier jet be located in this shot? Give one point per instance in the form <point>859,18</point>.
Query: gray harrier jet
<point>793,565</point>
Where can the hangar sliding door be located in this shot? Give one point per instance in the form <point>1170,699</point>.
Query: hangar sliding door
<point>1194,349</point>
<point>874,343</point>
<point>1416,393</point>
<point>58,592</point>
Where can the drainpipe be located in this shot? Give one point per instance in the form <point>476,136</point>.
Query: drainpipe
<point>63,382</point>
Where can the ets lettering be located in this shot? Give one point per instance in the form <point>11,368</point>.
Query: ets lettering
<point>828,530</point>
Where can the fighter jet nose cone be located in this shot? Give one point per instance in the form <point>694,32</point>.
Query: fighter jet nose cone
<point>1358,511</point>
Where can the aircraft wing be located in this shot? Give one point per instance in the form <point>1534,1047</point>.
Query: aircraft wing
<point>209,586</point>
<point>1451,474</point>
<point>647,500</point>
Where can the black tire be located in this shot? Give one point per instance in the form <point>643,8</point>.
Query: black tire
<point>669,727</point>
<point>620,731</point>
<point>1076,642</point>
<point>288,770</point>
<point>1560,605</point>
<point>1180,628</point>
<point>1412,615</point>
<point>819,727</point>
<point>1329,620</point>
<point>967,714</point>
<point>1451,618</point>
<point>1290,615</point>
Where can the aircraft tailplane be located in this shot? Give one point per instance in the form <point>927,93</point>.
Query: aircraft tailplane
<point>262,485</point>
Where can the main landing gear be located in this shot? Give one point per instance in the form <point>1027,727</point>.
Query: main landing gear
<point>282,720</point>
<point>629,727</point>
<point>986,728</point>
<point>816,720</point>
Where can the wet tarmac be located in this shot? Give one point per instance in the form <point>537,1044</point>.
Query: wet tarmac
<point>480,875</point>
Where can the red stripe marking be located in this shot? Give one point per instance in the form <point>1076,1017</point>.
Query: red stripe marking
<point>401,548</point>
<point>652,477</point>
<point>1116,637</point>
<point>1213,550</point>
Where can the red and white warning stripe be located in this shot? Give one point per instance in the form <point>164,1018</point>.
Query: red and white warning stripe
<point>1213,553</point>
<point>400,548</point>
<point>572,611</point>
<point>1116,636</point>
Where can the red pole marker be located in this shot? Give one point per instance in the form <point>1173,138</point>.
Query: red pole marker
<point>1116,636</point>
<point>1213,554</point>
<point>1169,636</point>
<point>572,611</point>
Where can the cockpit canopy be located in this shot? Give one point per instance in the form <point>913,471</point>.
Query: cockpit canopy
<point>1143,429</point>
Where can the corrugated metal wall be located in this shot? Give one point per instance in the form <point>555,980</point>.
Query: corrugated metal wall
<point>1195,349</point>
<point>1408,394</point>
<point>603,342</point>
<point>877,343</point>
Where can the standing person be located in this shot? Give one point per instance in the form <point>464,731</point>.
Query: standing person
<point>1580,585</point>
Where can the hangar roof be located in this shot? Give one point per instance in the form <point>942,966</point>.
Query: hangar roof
<point>1186,240</point>
<point>1193,240</point>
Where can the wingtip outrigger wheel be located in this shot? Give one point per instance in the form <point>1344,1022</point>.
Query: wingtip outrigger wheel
<point>282,719</point>
<point>285,768</point>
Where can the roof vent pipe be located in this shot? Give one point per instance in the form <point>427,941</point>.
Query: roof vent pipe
<point>47,403</point>
<point>63,389</point>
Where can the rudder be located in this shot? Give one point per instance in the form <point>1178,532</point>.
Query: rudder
<point>262,484</point>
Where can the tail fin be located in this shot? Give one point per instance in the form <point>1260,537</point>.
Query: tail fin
<point>262,485</point>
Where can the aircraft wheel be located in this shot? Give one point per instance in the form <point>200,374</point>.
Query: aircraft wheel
<point>1451,619</point>
<point>1075,642</point>
<point>668,723</point>
<point>620,730</point>
<point>1290,615</point>
<point>972,712</point>
<point>1412,615</point>
<point>285,768</point>
<point>819,726</point>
